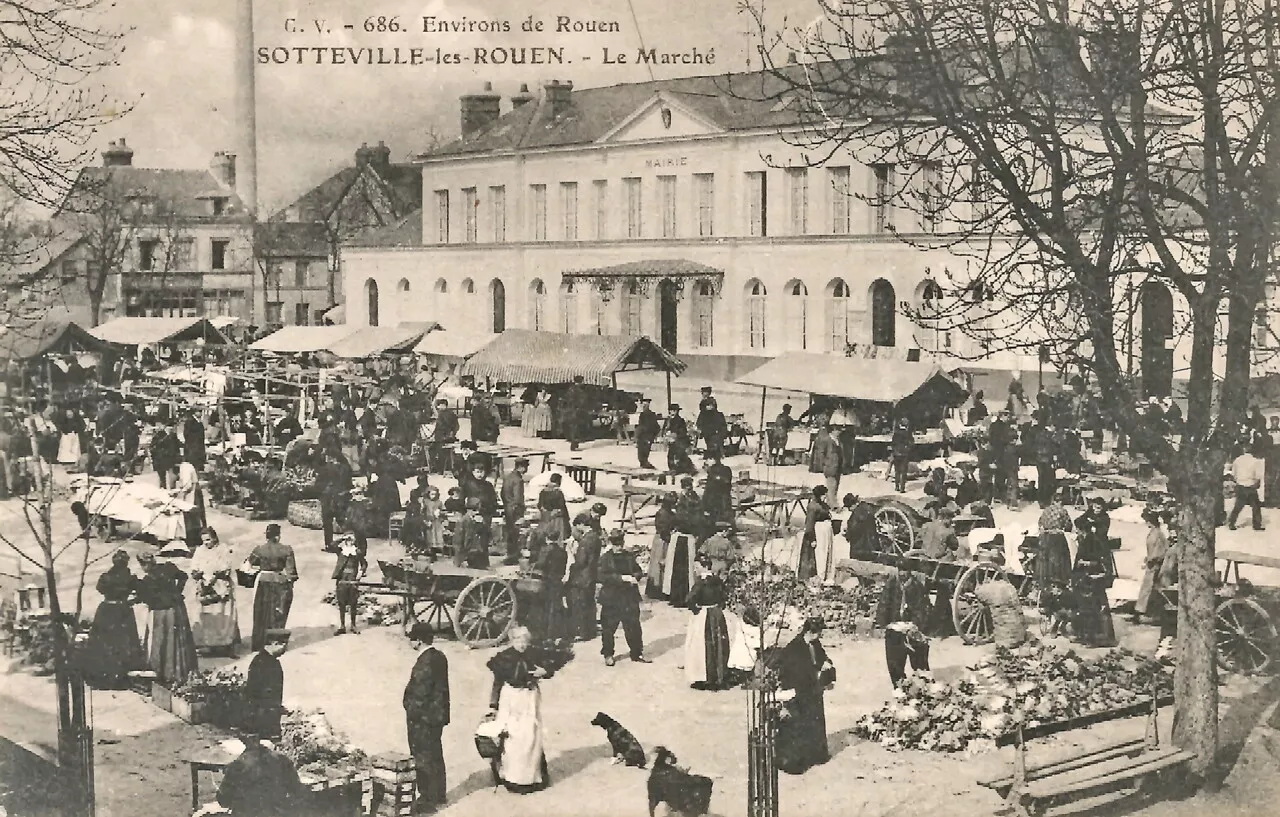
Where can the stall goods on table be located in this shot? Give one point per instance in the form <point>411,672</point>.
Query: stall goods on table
<point>309,740</point>
<point>776,589</point>
<point>1035,683</point>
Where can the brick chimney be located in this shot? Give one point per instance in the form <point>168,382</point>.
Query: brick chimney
<point>522,97</point>
<point>479,111</point>
<point>117,154</point>
<point>223,168</point>
<point>380,156</point>
<point>362,154</point>
<point>558,96</point>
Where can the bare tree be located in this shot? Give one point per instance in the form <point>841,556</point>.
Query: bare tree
<point>51,52</point>
<point>1069,154</point>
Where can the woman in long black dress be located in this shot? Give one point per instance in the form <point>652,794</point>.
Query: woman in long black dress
<point>277,572</point>
<point>804,674</point>
<point>171,646</point>
<point>114,649</point>
<point>516,702</point>
<point>706,642</point>
<point>1092,575</point>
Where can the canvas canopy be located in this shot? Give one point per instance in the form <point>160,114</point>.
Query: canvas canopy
<point>372,341</point>
<point>147,331</point>
<point>524,356</point>
<point>46,337</point>
<point>452,347</point>
<point>852,378</point>
<point>297,339</point>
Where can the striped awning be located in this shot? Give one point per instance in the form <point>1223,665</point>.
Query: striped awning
<point>524,356</point>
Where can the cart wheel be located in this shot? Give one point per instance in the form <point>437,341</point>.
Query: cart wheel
<point>971,616</point>
<point>1246,636</point>
<point>433,611</point>
<point>484,612</point>
<point>895,528</point>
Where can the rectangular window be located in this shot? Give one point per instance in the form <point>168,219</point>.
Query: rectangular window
<point>601,188</point>
<point>219,252</point>
<point>569,210</point>
<point>703,321</point>
<point>470,214</point>
<point>706,186</point>
<point>274,274</point>
<point>757,203</point>
<point>930,196</point>
<point>498,214</point>
<point>631,314</point>
<point>442,216</point>
<point>883,179</point>
<point>69,272</point>
<point>147,254</point>
<point>301,275</point>
<point>667,200</point>
<point>538,201</point>
<point>635,214</point>
<point>798,180</point>
<point>839,178</point>
<point>301,314</point>
<point>275,312</point>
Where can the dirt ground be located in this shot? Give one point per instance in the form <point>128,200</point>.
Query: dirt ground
<point>358,680</point>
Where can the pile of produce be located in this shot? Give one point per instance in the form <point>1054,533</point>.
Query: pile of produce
<point>371,611</point>
<point>309,740</point>
<point>213,686</point>
<point>777,591</point>
<point>1032,684</point>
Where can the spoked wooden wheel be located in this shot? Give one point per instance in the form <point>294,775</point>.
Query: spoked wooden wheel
<point>484,612</point>
<point>435,611</point>
<point>973,618</point>
<point>1246,636</point>
<point>897,534</point>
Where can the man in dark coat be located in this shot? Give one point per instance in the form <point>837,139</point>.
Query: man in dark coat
<point>647,430</point>
<point>573,411</point>
<point>861,531</point>
<point>262,782</point>
<point>1045,450</point>
<point>620,600</point>
<point>678,461</point>
<point>264,687</point>
<point>193,441</point>
<point>443,438</point>
<point>551,498</point>
<point>717,497</point>
<point>333,482</point>
<point>547,614</point>
<point>583,572</point>
<point>804,674</point>
<point>513,508</point>
<point>426,712</point>
<point>901,448</point>
<point>166,453</point>
<point>903,614</point>
<point>712,428</point>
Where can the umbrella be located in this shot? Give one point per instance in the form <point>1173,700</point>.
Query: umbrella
<point>572,490</point>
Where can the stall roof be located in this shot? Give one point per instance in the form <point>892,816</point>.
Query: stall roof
<point>336,315</point>
<point>377,340</point>
<point>853,378</point>
<point>524,356</point>
<point>453,346</point>
<point>302,339</point>
<point>37,339</point>
<point>144,331</point>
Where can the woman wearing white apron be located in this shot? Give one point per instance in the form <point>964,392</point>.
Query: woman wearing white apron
<point>516,700</point>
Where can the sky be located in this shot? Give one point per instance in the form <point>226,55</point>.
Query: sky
<point>177,67</point>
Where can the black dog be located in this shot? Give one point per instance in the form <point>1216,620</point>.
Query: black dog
<point>624,744</point>
<point>688,794</point>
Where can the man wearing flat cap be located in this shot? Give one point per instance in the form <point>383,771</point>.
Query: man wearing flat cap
<point>678,461</point>
<point>584,564</point>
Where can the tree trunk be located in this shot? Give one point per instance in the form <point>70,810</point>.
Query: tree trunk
<point>95,308</point>
<point>1195,723</point>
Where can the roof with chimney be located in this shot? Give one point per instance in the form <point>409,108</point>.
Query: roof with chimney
<point>372,193</point>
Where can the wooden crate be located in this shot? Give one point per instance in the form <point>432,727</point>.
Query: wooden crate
<point>161,696</point>
<point>193,712</point>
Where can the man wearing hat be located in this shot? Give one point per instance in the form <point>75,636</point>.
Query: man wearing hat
<point>264,686</point>
<point>573,410</point>
<point>968,491</point>
<point>443,437</point>
<point>513,508</point>
<point>598,513</point>
<point>678,461</point>
<point>426,711</point>
<point>472,538</point>
<point>805,673</point>
<point>620,600</point>
<point>903,613</point>
<point>352,564</point>
<point>647,430</point>
<point>552,563</point>
<point>581,579</point>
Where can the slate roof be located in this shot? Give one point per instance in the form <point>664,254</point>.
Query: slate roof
<point>401,182</point>
<point>292,239</point>
<point>407,232</point>
<point>187,191</point>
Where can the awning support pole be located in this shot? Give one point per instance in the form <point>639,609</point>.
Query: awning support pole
<point>668,387</point>
<point>764,391</point>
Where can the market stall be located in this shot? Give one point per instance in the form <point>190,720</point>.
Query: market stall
<point>158,331</point>
<point>865,392</point>
<point>302,339</point>
<point>50,353</point>
<point>152,510</point>
<point>374,341</point>
<point>451,349</point>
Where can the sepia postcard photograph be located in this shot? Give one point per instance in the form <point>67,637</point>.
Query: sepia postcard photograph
<point>734,408</point>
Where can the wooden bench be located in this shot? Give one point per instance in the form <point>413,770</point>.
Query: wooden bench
<point>1116,769</point>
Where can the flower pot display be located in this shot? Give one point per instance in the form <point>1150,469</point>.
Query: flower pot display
<point>193,712</point>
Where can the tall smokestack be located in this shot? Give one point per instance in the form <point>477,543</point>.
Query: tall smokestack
<point>246,112</point>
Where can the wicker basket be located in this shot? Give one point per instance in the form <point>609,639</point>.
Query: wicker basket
<point>489,739</point>
<point>305,513</point>
<point>531,585</point>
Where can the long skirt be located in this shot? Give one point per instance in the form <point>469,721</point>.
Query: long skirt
<point>271,605</point>
<point>807,564</point>
<point>217,626</point>
<point>69,449</point>
<point>522,765</point>
<point>677,569</point>
<point>1053,561</point>
<point>1149,601</point>
<point>706,649</point>
<point>170,647</point>
<point>744,643</point>
<point>802,737</point>
<point>113,649</point>
<point>657,557</point>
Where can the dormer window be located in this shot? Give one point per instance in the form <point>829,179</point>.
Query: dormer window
<point>219,205</point>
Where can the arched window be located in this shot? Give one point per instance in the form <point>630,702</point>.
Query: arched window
<point>537,305</point>
<point>466,306</point>
<point>569,308</point>
<point>631,299</point>
<point>442,287</point>
<point>797,315</point>
<point>371,292</point>
<point>756,293</point>
<point>703,314</point>
<point>498,298</point>
<point>884,314</point>
<point>837,315</point>
<point>468,286</point>
<point>403,286</point>
<point>929,307</point>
